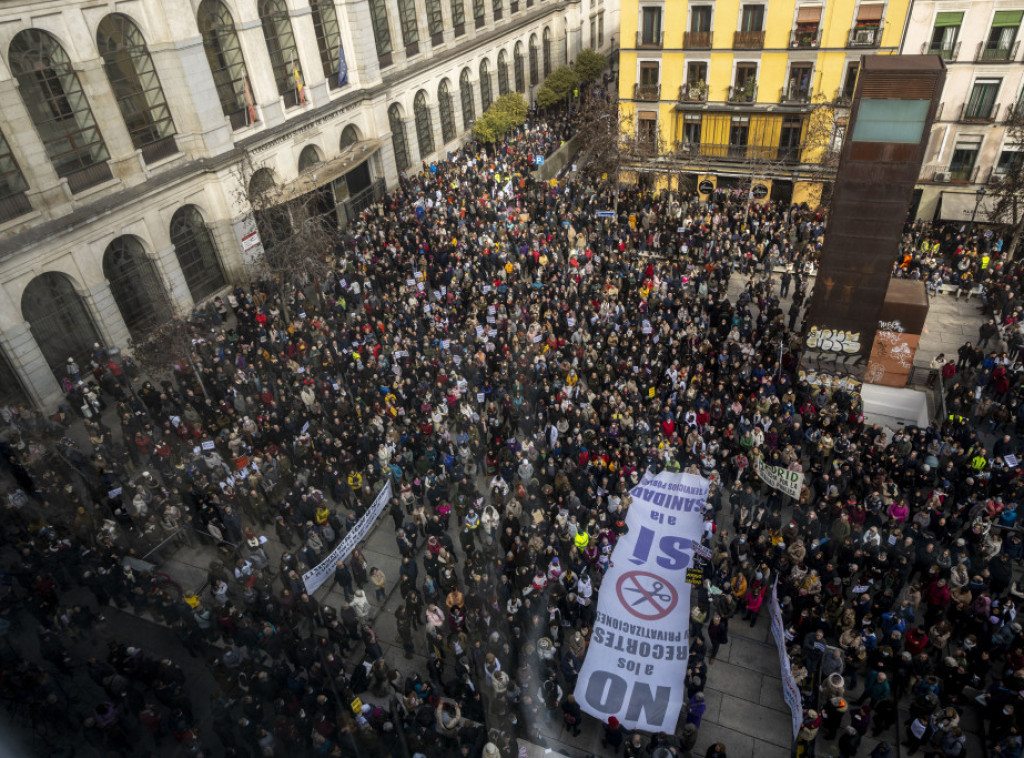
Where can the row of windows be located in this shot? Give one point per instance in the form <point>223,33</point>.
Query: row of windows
<point>750,26</point>
<point>421,110</point>
<point>798,87</point>
<point>56,101</point>
<point>409,28</point>
<point>999,45</point>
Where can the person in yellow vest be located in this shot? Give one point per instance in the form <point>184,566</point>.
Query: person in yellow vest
<point>581,540</point>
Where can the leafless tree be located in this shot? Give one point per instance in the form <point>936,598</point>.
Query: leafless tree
<point>1009,189</point>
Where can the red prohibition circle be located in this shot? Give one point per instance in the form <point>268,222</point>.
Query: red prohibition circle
<point>647,596</point>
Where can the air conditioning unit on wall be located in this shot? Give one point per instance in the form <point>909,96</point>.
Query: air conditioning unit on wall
<point>942,176</point>
<point>864,36</point>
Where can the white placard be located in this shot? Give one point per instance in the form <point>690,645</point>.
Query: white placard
<point>1011,460</point>
<point>790,690</point>
<point>207,445</point>
<point>324,570</point>
<point>780,478</point>
<point>644,607</point>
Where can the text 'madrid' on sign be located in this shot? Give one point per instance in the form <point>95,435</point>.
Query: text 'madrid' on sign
<point>635,667</point>
<point>781,479</point>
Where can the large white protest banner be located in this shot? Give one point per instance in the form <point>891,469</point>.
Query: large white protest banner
<point>635,667</point>
<point>781,479</point>
<point>325,569</point>
<point>790,691</point>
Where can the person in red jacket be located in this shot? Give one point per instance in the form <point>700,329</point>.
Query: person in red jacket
<point>915,641</point>
<point>936,597</point>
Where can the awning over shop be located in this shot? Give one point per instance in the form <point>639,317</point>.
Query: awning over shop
<point>322,174</point>
<point>959,206</point>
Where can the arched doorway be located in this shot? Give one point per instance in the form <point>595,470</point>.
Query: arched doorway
<point>60,322</point>
<point>134,284</point>
<point>321,200</point>
<point>196,251</point>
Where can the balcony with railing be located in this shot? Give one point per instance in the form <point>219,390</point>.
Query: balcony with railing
<point>693,93</point>
<point>996,54</point>
<point>647,92</point>
<point>805,39</point>
<point>88,177</point>
<point>748,40</point>
<point>795,95</point>
<point>649,39</point>
<point>743,94</point>
<point>697,40</point>
<point>865,36</point>
<point>734,152</point>
<point>979,113</point>
<point>946,53</point>
<point>14,205</point>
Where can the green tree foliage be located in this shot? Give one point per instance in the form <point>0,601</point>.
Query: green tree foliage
<point>505,114</point>
<point>559,85</point>
<point>589,65</point>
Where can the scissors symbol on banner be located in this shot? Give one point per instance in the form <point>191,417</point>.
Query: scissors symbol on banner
<point>648,596</point>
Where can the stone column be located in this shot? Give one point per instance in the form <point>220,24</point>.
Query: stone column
<point>45,188</point>
<point>360,45</point>
<point>106,315</point>
<point>125,161</point>
<point>173,279</point>
<point>257,61</point>
<point>310,65</point>
<point>27,360</point>
<point>412,144</point>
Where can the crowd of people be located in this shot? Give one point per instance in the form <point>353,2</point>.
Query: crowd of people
<point>512,364</point>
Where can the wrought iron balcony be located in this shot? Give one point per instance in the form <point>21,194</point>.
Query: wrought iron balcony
<point>794,95</point>
<point>646,91</point>
<point>748,40</point>
<point>946,53</point>
<point>697,40</point>
<point>996,54</point>
<point>743,94</point>
<point>654,40</point>
<point>803,39</point>
<point>692,93</point>
<point>865,36</point>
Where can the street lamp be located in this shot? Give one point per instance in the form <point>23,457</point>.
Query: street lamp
<point>979,193</point>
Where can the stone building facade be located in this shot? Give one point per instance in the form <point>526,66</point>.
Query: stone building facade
<point>125,127</point>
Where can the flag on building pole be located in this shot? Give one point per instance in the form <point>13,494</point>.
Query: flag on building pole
<point>250,107</point>
<point>342,65</point>
<point>298,84</point>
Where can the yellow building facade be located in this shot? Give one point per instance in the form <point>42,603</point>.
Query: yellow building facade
<point>745,95</point>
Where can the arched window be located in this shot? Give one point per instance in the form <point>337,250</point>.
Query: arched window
<point>502,73</point>
<point>133,283</point>
<point>58,107</point>
<point>328,39</point>
<point>444,106</point>
<point>398,139</point>
<point>534,68</point>
<point>424,128</point>
<point>272,218</point>
<point>349,136</point>
<point>468,108</point>
<point>486,98</point>
<point>517,61</point>
<point>136,86</point>
<point>410,31</point>
<point>310,156</point>
<point>277,31</point>
<point>12,184</point>
<point>196,252</point>
<point>224,56</point>
<point>459,16</point>
<point>381,31</point>
<point>12,389</point>
<point>60,322</point>
<point>546,51</point>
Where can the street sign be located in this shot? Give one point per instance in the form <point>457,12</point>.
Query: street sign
<point>759,192</point>
<point>706,187</point>
<point>539,160</point>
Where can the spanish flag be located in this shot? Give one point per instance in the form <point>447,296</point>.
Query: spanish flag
<point>299,90</point>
